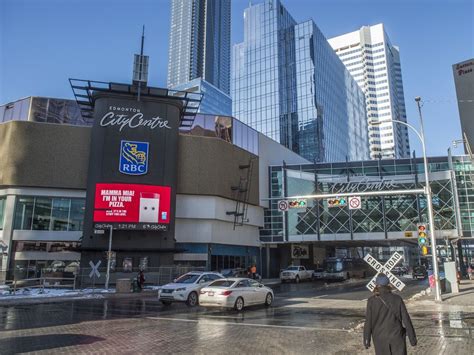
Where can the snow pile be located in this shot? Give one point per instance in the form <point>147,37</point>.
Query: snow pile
<point>52,292</point>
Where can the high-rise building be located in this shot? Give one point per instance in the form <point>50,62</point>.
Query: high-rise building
<point>214,101</point>
<point>375,64</point>
<point>288,83</point>
<point>464,81</point>
<point>199,44</point>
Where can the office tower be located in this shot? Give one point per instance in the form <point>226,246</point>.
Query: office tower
<point>464,81</point>
<point>375,64</point>
<point>288,83</point>
<point>214,101</point>
<point>199,44</point>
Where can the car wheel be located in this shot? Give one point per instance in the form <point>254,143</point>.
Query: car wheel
<point>166,303</point>
<point>192,299</point>
<point>297,280</point>
<point>268,299</point>
<point>239,304</point>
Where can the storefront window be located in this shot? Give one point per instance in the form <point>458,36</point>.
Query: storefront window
<point>45,213</point>
<point>42,213</point>
<point>3,201</point>
<point>24,213</point>
<point>76,218</point>
<point>60,214</point>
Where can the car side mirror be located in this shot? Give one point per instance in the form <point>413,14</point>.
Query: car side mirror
<point>260,285</point>
<point>202,281</point>
<point>174,280</point>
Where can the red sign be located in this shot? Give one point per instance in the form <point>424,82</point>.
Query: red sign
<point>132,203</point>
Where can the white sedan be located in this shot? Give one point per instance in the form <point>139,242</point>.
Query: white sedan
<point>235,293</point>
<point>186,288</point>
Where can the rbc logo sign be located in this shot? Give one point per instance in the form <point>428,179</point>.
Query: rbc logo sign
<point>133,158</point>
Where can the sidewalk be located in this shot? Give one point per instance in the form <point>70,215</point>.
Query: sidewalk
<point>464,300</point>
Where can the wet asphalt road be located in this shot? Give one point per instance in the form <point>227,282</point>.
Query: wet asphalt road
<point>67,312</point>
<point>144,325</point>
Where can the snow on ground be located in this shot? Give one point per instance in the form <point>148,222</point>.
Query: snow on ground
<point>51,292</point>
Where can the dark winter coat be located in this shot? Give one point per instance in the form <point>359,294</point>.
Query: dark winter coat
<point>385,326</point>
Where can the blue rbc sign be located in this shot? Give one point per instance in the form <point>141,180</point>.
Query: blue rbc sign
<point>133,158</point>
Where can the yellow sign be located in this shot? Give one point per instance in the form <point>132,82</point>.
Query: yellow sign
<point>408,234</point>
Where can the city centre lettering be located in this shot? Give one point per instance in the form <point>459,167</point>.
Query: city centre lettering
<point>362,186</point>
<point>111,119</point>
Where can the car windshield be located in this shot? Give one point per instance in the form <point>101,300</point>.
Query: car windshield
<point>294,268</point>
<point>222,283</point>
<point>187,279</point>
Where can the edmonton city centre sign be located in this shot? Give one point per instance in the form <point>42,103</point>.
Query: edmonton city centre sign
<point>132,167</point>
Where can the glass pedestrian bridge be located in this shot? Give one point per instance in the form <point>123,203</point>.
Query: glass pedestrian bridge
<point>382,217</point>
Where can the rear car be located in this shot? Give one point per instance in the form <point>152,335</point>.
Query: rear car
<point>186,288</point>
<point>235,293</point>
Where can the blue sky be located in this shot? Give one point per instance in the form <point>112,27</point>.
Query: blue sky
<point>45,42</point>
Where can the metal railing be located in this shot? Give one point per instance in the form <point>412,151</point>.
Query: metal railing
<point>86,277</point>
<point>42,283</point>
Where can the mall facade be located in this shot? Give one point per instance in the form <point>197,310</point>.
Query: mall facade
<point>221,192</point>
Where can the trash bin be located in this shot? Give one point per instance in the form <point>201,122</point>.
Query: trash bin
<point>123,285</point>
<point>135,287</point>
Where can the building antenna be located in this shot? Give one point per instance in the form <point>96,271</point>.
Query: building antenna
<point>140,75</point>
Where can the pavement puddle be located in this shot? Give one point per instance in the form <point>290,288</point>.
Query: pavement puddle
<point>256,325</point>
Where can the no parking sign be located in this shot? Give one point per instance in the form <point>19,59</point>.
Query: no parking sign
<point>354,203</point>
<point>283,205</point>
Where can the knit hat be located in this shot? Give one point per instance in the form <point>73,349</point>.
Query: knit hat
<point>382,280</point>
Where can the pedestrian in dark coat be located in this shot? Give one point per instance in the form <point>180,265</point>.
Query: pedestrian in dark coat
<point>387,321</point>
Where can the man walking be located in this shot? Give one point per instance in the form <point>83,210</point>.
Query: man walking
<point>387,321</point>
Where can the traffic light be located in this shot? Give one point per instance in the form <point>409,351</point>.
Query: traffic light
<point>337,202</point>
<point>422,235</point>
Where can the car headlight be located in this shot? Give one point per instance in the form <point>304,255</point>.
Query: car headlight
<point>181,289</point>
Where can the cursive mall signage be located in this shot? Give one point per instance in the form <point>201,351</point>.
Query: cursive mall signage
<point>136,120</point>
<point>363,185</point>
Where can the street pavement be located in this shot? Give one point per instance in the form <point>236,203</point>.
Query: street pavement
<point>305,318</point>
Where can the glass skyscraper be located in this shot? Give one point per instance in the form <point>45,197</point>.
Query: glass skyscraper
<point>375,63</point>
<point>199,44</point>
<point>288,83</point>
<point>213,100</point>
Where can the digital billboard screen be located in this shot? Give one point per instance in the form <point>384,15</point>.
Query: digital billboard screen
<point>132,206</point>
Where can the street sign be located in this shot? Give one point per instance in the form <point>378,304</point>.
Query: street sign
<point>408,234</point>
<point>282,205</point>
<point>354,203</point>
<point>95,269</point>
<point>385,269</point>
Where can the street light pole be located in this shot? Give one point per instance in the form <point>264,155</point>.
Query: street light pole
<point>430,206</point>
<point>421,136</point>
<point>107,277</point>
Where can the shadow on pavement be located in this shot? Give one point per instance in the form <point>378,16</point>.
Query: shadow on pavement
<point>44,342</point>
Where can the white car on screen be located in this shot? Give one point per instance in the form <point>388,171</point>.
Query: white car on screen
<point>186,287</point>
<point>235,293</point>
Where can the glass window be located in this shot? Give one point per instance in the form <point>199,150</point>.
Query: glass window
<point>2,211</point>
<point>24,213</point>
<point>60,214</point>
<point>243,283</point>
<point>42,213</point>
<point>45,213</point>
<point>76,217</point>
